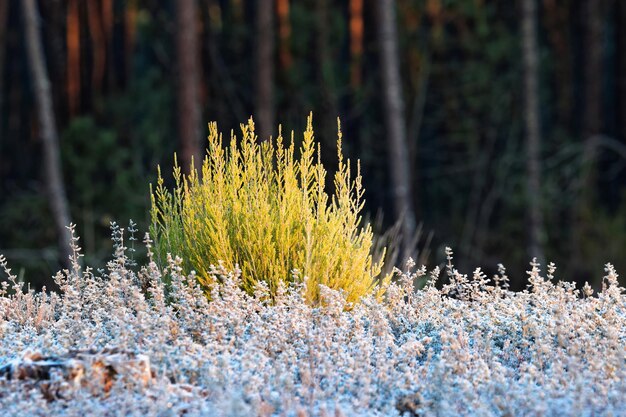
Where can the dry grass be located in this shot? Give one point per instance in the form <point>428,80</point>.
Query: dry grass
<point>471,348</point>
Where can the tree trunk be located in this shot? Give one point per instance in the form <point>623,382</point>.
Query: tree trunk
<point>621,66</point>
<point>356,42</point>
<point>108,25</point>
<point>327,103</point>
<point>189,113</point>
<point>591,127</point>
<point>592,70</point>
<point>284,33</point>
<point>4,15</point>
<point>532,122</point>
<point>557,25</point>
<point>97,33</point>
<point>73,57</point>
<point>265,69</point>
<point>54,43</point>
<point>130,31</point>
<point>47,129</point>
<point>393,103</point>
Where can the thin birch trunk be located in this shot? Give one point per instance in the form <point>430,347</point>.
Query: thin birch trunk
<point>393,102</point>
<point>532,122</point>
<point>47,130</point>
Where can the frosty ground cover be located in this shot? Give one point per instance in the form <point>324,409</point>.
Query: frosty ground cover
<point>470,347</point>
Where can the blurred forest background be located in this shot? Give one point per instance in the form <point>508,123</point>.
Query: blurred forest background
<point>494,127</point>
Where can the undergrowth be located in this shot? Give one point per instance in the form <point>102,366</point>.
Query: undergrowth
<point>263,209</point>
<point>463,347</point>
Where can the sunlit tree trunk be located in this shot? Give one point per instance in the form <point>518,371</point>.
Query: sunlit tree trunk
<point>189,112</point>
<point>356,42</point>
<point>532,123</point>
<point>47,128</point>
<point>73,56</point>
<point>284,33</point>
<point>265,69</point>
<point>108,20</point>
<point>393,103</point>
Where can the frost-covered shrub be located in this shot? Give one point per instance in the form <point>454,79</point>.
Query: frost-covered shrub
<point>472,348</point>
<point>258,207</point>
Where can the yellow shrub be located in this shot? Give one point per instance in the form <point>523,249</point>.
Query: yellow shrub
<point>257,206</point>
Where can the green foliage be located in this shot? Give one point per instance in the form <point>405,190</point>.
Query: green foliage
<point>107,164</point>
<point>258,207</point>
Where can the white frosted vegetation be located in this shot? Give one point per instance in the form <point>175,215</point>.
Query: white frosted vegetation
<point>471,348</point>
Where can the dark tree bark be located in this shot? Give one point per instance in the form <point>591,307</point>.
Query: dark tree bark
<point>592,70</point>
<point>189,113</point>
<point>99,46</point>
<point>54,43</point>
<point>532,123</point>
<point>47,129</point>
<point>4,14</point>
<point>621,66</point>
<point>393,103</point>
<point>328,107</point>
<point>130,10</point>
<point>592,122</point>
<point>557,22</point>
<point>265,69</point>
